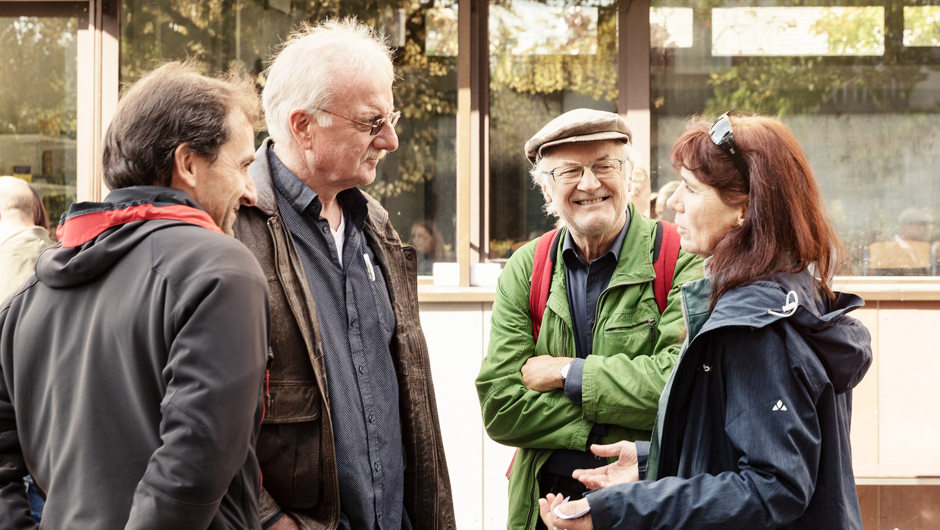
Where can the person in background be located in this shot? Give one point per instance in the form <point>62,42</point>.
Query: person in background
<point>753,427</point>
<point>604,351</point>
<point>352,438</point>
<point>640,188</point>
<point>132,362</point>
<point>429,243</point>
<point>663,211</point>
<point>23,236</point>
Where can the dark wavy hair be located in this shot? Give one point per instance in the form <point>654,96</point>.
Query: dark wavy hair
<point>786,227</point>
<point>170,106</point>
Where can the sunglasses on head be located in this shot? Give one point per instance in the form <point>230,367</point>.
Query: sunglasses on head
<point>722,136</point>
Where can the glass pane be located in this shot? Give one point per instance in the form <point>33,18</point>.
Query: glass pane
<point>545,59</point>
<point>861,99</point>
<point>417,183</point>
<point>38,106</point>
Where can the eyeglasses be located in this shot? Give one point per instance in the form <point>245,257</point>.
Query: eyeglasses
<point>722,136</point>
<point>602,169</point>
<point>376,125</point>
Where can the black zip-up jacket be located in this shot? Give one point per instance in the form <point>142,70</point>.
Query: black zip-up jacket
<point>131,372</point>
<point>755,418</point>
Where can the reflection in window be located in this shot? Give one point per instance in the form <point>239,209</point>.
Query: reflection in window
<point>922,26</point>
<point>798,31</point>
<point>869,124</point>
<point>670,27</point>
<point>545,59</point>
<point>415,183</point>
<point>38,118</point>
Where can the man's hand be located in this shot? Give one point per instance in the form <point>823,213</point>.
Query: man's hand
<point>286,522</point>
<point>548,504</point>
<point>625,469</point>
<point>543,373</point>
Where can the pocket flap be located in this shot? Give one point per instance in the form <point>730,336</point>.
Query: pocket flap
<point>292,403</point>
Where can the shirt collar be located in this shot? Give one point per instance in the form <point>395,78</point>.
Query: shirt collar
<point>570,249</point>
<point>301,197</point>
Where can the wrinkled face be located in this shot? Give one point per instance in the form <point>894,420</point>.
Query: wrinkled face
<point>224,185</point>
<point>702,217</point>
<point>421,239</point>
<point>344,155</point>
<point>592,208</point>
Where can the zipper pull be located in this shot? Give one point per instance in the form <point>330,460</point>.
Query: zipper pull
<point>652,323</point>
<point>267,389</point>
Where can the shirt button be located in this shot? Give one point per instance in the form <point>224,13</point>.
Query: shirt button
<point>371,418</point>
<point>362,369</point>
<point>375,466</point>
<point>326,230</point>
<point>593,279</point>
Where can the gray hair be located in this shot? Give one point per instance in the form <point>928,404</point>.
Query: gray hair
<point>540,176</point>
<point>303,74</point>
<point>16,199</point>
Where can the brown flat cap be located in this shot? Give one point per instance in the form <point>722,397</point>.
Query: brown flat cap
<point>579,125</point>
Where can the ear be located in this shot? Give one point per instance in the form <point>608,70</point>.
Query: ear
<point>742,213</point>
<point>301,128</point>
<point>184,169</point>
<point>546,192</point>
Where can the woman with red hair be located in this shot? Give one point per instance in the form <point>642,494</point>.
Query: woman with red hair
<point>753,426</point>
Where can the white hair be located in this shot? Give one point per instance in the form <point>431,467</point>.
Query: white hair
<point>541,178</point>
<point>304,74</point>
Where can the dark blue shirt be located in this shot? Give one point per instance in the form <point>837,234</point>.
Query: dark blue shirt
<point>356,324</point>
<point>585,282</point>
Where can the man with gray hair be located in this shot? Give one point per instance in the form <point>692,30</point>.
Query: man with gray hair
<point>351,438</point>
<point>588,365</point>
<point>21,240</point>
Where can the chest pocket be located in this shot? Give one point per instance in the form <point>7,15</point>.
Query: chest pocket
<point>632,333</point>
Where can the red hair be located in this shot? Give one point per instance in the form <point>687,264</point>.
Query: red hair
<point>786,227</point>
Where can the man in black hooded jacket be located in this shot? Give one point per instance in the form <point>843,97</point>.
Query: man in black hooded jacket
<point>132,362</point>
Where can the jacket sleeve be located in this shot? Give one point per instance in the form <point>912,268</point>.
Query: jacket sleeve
<point>777,451</point>
<point>14,505</point>
<point>624,389</point>
<point>210,412</point>
<point>513,415</point>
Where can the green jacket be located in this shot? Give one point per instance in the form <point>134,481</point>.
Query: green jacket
<point>634,351</point>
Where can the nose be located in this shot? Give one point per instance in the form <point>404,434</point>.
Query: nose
<point>387,139</point>
<point>673,203</point>
<point>250,195</point>
<point>589,181</point>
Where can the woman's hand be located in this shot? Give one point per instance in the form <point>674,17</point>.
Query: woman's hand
<point>551,501</point>
<point>625,469</point>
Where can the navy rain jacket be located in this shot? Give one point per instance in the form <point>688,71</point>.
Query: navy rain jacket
<point>755,419</point>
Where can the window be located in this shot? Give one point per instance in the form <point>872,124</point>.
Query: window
<point>417,183</point>
<point>545,59</point>
<point>858,87</point>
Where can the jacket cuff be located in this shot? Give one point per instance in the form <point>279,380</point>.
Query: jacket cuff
<point>642,457</point>
<point>600,512</point>
<point>268,508</point>
<point>573,381</point>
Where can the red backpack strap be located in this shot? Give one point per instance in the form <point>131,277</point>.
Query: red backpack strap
<point>542,264</point>
<point>665,255</point>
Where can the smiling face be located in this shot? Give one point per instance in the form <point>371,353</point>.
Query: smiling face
<point>702,217</point>
<point>594,209</point>
<point>344,155</point>
<point>224,185</point>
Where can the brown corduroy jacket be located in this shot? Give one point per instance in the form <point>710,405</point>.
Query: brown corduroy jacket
<point>295,448</point>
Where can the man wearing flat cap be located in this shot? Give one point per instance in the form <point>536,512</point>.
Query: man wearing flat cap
<point>604,350</point>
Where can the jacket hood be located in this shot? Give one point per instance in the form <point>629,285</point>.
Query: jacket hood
<point>841,342</point>
<point>95,235</point>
